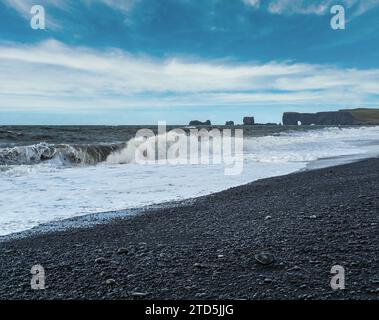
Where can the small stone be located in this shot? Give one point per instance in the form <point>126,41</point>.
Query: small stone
<point>264,258</point>
<point>110,282</point>
<point>295,268</point>
<point>139,294</point>
<point>220,256</point>
<point>122,251</point>
<point>199,266</point>
<point>313,217</point>
<point>267,280</point>
<point>268,218</point>
<point>314,261</point>
<point>100,260</point>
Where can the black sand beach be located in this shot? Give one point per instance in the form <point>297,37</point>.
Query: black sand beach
<point>205,249</point>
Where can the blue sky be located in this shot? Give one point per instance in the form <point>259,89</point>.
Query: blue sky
<point>141,61</point>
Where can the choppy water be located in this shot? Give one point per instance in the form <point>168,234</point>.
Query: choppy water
<point>53,173</point>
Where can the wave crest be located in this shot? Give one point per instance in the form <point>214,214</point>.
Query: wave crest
<point>63,154</point>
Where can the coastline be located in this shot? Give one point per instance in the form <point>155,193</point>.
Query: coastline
<point>91,220</point>
<point>45,194</point>
<point>204,248</point>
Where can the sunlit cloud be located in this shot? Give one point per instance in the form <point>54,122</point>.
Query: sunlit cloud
<point>53,22</point>
<point>253,3</point>
<point>315,7</point>
<point>53,75</point>
<point>23,7</point>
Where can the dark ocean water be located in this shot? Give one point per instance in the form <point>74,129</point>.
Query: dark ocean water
<point>25,145</point>
<point>49,174</point>
<point>11,136</point>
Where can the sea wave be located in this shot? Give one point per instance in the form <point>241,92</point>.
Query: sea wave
<point>291,146</point>
<point>32,195</point>
<point>9,134</point>
<point>287,146</point>
<point>62,154</point>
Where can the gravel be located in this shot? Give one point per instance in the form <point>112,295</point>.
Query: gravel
<point>207,248</point>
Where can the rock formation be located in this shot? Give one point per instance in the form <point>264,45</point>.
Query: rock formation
<point>199,123</point>
<point>365,115</point>
<point>229,123</point>
<point>248,121</point>
<point>321,118</point>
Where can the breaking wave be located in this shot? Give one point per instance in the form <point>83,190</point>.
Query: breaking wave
<point>40,194</point>
<point>177,145</point>
<point>292,146</point>
<point>62,154</point>
<point>287,146</point>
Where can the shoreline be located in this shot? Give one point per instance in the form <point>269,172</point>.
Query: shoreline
<point>204,248</point>
<point>90,220</point>
<point>92,191</point>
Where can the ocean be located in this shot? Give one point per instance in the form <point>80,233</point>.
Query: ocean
<point>52,173</point>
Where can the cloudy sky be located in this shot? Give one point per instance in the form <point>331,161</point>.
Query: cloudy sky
<point>141,61</point>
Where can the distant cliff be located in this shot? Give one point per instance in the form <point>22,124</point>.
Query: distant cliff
<point>342,117</point>
<point>199,123</point>
<point>366,116</point>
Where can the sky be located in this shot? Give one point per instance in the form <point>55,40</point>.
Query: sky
<point>120,62</point>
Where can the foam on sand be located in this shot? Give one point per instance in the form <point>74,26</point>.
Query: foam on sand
<point>43,192</point>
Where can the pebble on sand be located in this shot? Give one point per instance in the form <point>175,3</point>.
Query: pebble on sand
<point>110,282</point>
<point>122,251</point>
<point>264,258</point>
<point>100,260</point>
<point>139,294</point>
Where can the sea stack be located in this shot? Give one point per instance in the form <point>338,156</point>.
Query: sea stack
<point>248,121</point>
<point>199,123</point>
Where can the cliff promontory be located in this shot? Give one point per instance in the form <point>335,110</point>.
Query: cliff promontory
<point>341,117</point>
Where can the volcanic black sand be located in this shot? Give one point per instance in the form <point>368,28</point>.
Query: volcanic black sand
<point>204,249</point>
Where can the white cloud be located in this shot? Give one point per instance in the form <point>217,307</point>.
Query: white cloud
<point>23,7</point>
<point>253,3</point>
<point>316,7</point>
<point>364,6</point>
<point>125,5</point>
<point>298,7</point>
<point>52,75</point>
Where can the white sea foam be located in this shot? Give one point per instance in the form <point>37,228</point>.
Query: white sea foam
<point>31,195</point>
